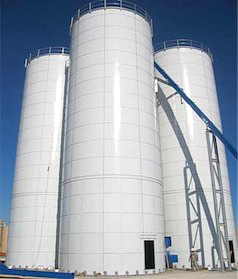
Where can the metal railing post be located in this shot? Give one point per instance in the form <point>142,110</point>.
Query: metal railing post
<point>120,4</point>
<point>38,53</point>
<point>202,47</point>
<point>145,14</point>
<point>49,50</point>
<point>105,4</point>
<point>78,13</point>
<point>90,7</point>
<point>71,23</point>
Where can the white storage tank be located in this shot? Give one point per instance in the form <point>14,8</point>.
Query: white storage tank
<point>189,215</point>
<point>32,236</point>
<point>112,211</point>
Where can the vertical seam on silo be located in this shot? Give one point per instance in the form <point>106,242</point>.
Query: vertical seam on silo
<point>203,70</point>
<point>103,147</point>
<point>185,104</point>
<point>161,184</point>
<point>138,109</point>
<point>47,181</point>
<point>186,140</point>
<point>42,128</point>
<point>72,145</point>
<point>61,162</point>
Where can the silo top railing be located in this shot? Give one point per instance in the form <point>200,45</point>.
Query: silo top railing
<point>46,51</point>
<point>182,43</point>
<point>121,4</point>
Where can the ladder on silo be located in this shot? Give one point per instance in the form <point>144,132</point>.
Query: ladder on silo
<point>217,188</point>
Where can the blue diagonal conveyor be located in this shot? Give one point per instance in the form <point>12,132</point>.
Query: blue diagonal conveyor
<point>197,110</point>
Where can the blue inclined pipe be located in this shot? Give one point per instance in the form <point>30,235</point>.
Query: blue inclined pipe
<point>204,118</point>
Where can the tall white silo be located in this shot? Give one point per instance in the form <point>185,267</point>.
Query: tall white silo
<point>188,197</point>
<point>33,222</point>
<point>112,212</point>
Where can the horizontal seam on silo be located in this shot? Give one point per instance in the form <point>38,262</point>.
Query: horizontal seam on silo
<point>112,64</point>
<point>109,107</point>
<point>123,139</point>
<point>44,138</point>
<point>117,50</point>
<point>109,157</point>
<point>121,176</point>
<point>33,193</point>
<point>110,122</point>
<point>112,212</point>
<point>110,92</point>
<point>133,93</point>
<point>105,38</point>
<point>110,77</point>
<point>113,25</point>
<point>112,193</point>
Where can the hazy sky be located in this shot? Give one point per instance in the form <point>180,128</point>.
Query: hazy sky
<point>27,25</point>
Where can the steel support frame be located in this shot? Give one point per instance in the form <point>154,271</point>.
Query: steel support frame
<point>193,214</point>
<point>219,203</point>
<point>215,170</point>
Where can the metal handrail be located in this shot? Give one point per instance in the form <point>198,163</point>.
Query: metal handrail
<point>182,43</point>
<point>45,51</point>
<point>118,4</point>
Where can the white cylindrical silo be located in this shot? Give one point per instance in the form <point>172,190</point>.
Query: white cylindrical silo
<point>112,198</point>
<point>189,211</point>
<point>32,236</point>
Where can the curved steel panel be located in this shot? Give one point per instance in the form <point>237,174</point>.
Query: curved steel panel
<point>184,148</point>
<point>32,234</point>
<point>112,195</point>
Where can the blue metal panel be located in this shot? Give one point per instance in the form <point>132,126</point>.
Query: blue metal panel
<point>167,241</point>
<point>173,259</point>
<point>34,273</point>
<point>204,118</point>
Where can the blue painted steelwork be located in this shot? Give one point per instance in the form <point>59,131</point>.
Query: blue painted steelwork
<point>167,241</point>
<point>197,110</point>
<point>34,273</point>
<point>173,259</point>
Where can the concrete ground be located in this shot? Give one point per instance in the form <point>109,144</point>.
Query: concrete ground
<point>178,274</point>
<point>192,275</point>
<point>173,274</point>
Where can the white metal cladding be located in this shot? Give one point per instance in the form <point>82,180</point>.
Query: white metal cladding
<point>34,202</point>
<point>192,69</point>
<point>112,196</point>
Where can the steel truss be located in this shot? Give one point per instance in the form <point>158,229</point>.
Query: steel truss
<point>193,214</point>
<point>219,203</point>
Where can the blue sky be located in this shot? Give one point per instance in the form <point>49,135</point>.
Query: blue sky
<point>27,25</point>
